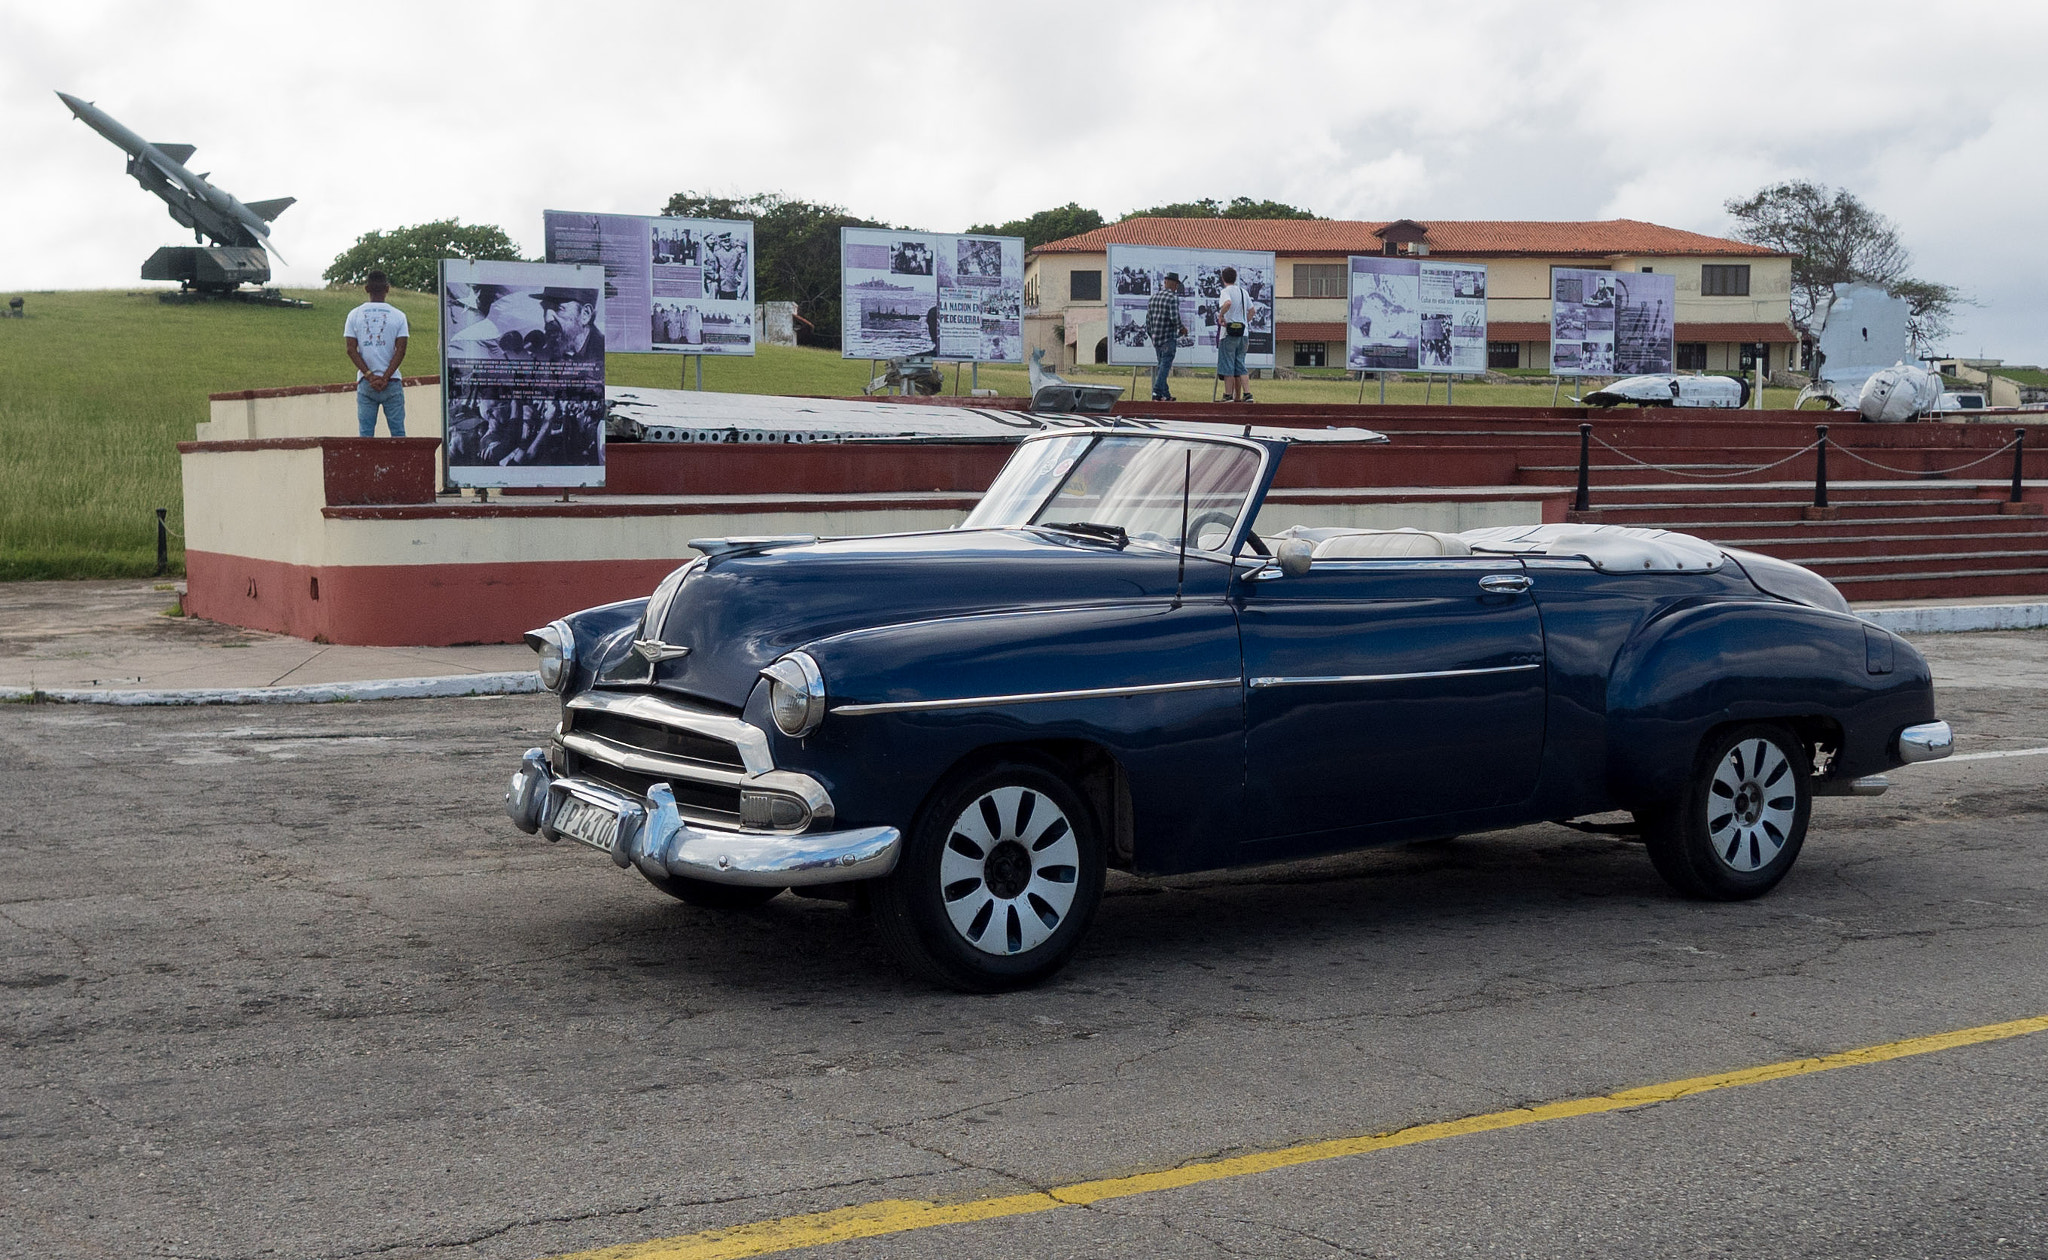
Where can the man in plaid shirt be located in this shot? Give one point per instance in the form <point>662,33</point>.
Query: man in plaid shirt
<point>1163,325</point>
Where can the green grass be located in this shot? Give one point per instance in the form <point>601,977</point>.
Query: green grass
<point>97,389</point>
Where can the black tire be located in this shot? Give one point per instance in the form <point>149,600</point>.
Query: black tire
<point>991,894</point>
<point>706,895</point>
<point>1738,826</point>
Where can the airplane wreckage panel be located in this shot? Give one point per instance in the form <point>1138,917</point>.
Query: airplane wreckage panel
<point>679,415</point>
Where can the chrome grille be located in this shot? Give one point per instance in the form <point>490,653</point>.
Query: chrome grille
<point>653,738</point>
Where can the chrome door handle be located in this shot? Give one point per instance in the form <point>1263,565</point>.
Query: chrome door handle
<point>1504,584</point>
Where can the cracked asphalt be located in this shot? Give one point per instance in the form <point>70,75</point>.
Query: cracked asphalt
<point>286,982</point>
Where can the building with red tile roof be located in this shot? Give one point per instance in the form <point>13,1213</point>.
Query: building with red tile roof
<point>1734,298</point>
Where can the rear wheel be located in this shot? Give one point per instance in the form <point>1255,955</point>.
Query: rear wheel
<point>709,896</point>
<point>997,882</point>
<point>1739,824</point>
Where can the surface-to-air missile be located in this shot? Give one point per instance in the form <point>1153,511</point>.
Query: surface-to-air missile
<point>239,231</point>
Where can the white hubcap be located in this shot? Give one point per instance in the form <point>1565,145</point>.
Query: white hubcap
<point>1009,869</point>
<point>1751,805</point>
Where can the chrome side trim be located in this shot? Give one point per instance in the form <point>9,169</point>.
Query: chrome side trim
<point>1033,697</point>
<point>1366,678</point>
<point>1930,741</point>
<point>751,740</point>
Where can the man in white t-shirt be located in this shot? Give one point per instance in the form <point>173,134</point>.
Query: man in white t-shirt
<point>1234,312</point>
<point>375,335</point>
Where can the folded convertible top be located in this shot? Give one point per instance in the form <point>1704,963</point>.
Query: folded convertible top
<point>1609,548</point>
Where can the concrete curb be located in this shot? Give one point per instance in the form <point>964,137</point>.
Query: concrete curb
<point>520,682</point>
<point>1958,618</point>
<point>1938,619</point>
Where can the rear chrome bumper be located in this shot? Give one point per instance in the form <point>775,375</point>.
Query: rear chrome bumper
<point>654,837</point>
<point>1930,741</point>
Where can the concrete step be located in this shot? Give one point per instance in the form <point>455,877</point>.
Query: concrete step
<point>1950,584</point>
<point>1699,514</point>
<point>1841,526</point>
<point>1835,568</point>
<point>1810,550</point>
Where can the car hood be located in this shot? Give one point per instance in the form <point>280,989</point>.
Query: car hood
<point>739,611</point>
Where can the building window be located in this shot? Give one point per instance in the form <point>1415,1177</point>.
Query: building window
<point>1084,286</point>
<point>1320,280</point>
<point>1310,353</point>
<point>1756,355</point>
<point>1503,354</point>
<point>1728,281</point>
<point>1692,356</point>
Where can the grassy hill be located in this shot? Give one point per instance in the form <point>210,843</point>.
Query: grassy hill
<point>97,389</point>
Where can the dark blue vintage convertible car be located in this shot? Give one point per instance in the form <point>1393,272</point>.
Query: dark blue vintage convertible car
<point>1108,665</point>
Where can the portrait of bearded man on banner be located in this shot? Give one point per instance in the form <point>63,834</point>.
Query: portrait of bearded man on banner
<point>570,323</point>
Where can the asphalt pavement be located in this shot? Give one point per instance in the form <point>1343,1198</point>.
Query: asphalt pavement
<point>284,981</point>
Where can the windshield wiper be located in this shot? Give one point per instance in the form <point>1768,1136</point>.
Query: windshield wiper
<point>1090,529</point>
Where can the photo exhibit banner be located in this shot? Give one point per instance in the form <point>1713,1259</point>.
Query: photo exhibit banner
<point>1612,323</point>
<point>930,295</point>
<point>672,285</point>
<point>1413,315</point>
<point>1453,317</point>
<point>1138,271</point>
<point>522,373</point>
<point>1383,324</point>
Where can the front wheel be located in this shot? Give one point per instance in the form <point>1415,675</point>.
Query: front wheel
<point>997,882</point>
<point>1739,824</point>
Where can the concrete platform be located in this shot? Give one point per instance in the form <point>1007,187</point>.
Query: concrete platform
<point>117,636</point>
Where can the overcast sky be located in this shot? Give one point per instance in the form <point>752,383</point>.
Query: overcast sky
<point>939,116</point>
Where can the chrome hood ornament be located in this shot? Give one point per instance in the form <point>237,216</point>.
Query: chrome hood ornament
<point>655,651</point>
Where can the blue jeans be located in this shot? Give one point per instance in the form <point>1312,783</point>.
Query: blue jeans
<point>1230,356</point>
<point>391,398</point>
<point>1165,369</point>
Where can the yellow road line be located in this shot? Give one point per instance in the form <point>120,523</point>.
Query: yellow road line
<point>896,1216</point>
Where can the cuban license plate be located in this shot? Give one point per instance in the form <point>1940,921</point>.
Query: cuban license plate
<point>593,824</point>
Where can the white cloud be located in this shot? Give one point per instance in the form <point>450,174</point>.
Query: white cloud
<point>944,115</point>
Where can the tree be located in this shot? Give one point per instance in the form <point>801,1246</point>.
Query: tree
<point>408,255</point>
<point>1210,208</point>
<point>1056,224</point>
<point>796,250</point>
<point>1835,239</point>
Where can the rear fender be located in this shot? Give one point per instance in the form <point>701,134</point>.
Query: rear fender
<point>1700,668</point>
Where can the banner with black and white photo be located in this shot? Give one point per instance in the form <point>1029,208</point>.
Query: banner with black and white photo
<point>1413,315</point>
<point>522,373</point>
<point>1612,323</point>
<point>1136,272</point>
<point>672,285</point>
<point>934,295</point>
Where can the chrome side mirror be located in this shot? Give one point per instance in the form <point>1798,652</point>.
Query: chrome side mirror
<point>1294,555</point>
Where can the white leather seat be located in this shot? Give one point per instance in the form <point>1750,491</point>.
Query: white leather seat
<point>1368,544</point>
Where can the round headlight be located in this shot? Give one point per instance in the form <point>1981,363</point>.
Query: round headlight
<point>557,655</point>
<point>796,694</point>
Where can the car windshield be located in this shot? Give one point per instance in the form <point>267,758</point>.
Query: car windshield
<point>1101,486</point>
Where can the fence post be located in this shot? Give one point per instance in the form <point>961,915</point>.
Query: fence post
<point>1820,468</point>
<point>163,539</point>
<point>1584,501</point>
<point>2019,455</point>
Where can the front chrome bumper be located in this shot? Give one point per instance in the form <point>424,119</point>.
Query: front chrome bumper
<point>654,837</point>
<point>1930,741</point>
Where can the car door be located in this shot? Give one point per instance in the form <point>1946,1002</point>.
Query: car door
<point>1379,690</point>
